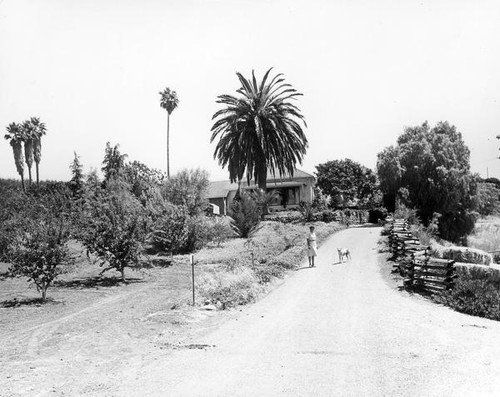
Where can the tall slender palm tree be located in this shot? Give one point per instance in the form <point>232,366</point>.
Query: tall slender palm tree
<point>15,136</point>
<point>169,102</point>
<point>38,131</point>
<point>259,130</point>
<point>28,135</point>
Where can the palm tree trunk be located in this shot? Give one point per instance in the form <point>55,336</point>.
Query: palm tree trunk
<point>22,183</point>
<point>29,175</point>
<point>37,179</point>
<point>168,145</point>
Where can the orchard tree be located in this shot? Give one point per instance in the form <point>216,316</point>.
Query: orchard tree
<point>188,188</point>
<point>113,227</point>
<point>432,166</point>
<point>38,248</point>
<point>347,181</point>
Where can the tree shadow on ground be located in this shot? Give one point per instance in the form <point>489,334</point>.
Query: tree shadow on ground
<point>27,302</point>
<point>95,282</point>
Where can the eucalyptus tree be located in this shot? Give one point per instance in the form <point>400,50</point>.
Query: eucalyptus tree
<point>169,102</point>
<point>259,130</point>
<point>38,131</point>
<point>15,137</point>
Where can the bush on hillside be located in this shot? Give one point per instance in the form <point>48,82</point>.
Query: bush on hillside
<point>229,288</point>
<point>476,292</point>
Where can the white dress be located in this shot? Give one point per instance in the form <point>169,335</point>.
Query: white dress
<point>311,244</point>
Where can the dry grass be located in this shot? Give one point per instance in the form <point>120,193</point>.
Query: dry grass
<point>486,234</point>
<point>236,273</point>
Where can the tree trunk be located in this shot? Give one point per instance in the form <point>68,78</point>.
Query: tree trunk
<point>168,145</point>
<point>262,183</point>
<point>29,175</point>
<point>44,292</point>
<point>22,183</point>
<point>122,271</point>
<point>37,179</point>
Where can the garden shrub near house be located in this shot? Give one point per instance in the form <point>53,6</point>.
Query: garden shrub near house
<point>245,215</point>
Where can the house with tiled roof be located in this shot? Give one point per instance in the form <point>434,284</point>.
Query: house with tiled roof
<point>291,191</point>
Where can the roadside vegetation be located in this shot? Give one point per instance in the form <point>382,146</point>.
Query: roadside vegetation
<point>426,179</point>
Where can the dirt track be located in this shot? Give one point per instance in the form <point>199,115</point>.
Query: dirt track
<point>338,329</point>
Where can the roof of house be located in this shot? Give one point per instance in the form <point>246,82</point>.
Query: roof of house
<point>222,188</point>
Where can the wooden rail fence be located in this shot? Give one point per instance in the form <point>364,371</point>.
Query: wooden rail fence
<point>413,261</point>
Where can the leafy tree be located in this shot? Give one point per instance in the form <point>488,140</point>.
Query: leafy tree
<point>113,227</point>
<point>37,130</point>
<point>16,138</point>
<point>245,215</point>
<point>113,162</point>
<point>143,180</point>
<point>494,181</point>
<point>389,173</point>
<point>38,248</point>
<point>259,130</point>
<point>76,184</point>
<point>188,188</point>
<point>169,102</point>
<point>432,166</point>
<point>347,182</point>
<point>321,201</point>
<point>487,199</point>
<point>12,203</point>
<point>171,229</point>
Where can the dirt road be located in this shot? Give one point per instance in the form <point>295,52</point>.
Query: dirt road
<point>338,329</point>
<point>334,330</point>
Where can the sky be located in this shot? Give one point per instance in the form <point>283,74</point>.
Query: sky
<point>92,71</point>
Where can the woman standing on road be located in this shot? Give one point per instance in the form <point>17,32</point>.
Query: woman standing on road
<point>312,248</point>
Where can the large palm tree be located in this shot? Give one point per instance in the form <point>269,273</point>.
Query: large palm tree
<point>169,102</point>
<point>259,130</point>
<point>15,136</point>
<point>38,131</point>
<point>28,135</point>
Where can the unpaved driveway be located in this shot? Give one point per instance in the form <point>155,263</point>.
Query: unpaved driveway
<point>338,329</point>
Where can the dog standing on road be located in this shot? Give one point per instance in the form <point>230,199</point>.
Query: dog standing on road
<point>344,253</point>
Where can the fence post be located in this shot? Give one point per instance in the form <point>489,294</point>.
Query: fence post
<point>192,273</point>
